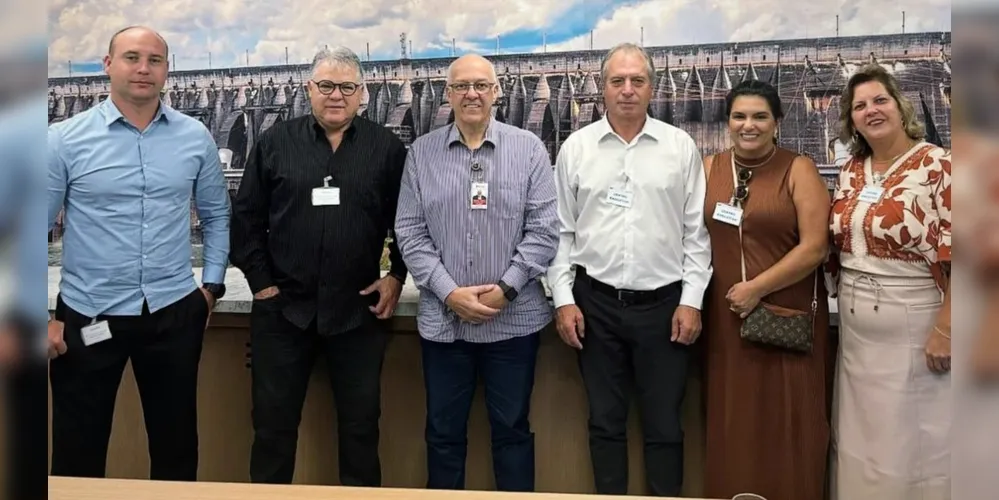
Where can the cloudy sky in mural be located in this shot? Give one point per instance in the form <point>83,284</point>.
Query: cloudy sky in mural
<point>228,33</point>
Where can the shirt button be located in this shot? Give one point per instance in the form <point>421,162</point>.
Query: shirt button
<point>143,256</point>
<point>145,225</point>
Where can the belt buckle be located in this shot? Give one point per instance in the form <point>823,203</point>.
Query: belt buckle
<point>625,295</point>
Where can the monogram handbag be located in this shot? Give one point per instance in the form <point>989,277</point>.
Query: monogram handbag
<point>776,325</point>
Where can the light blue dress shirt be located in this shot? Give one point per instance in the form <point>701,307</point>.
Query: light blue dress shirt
<point>22,206</point>
<point>127,198</point>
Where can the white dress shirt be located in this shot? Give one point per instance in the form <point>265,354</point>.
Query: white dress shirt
<point>660,239</point>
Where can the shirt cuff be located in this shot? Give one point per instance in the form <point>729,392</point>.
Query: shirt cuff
<point>515,278</point>
<point>442,284</point>
<point>213,274</point>
<point>562,296</point>
<point>692,296</point>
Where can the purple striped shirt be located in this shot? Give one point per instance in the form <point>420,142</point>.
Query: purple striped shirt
<point>446,244</point>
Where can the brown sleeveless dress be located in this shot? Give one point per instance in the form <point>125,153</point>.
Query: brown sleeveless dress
<point>767,409</point>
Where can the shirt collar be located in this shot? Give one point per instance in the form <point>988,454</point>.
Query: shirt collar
<point>454,135</point>
<point>321,132</point>
<point>649,129</point>
<point>113,114</point>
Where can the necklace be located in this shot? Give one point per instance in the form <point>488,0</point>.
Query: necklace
<point>767,158</point>
<point>880,177</point>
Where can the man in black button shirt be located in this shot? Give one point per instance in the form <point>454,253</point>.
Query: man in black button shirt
<point>316,202</point>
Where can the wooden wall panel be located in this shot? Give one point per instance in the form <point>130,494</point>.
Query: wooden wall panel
<point>558,418</point>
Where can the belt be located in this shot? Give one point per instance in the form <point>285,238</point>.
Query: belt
<point>625,295</point>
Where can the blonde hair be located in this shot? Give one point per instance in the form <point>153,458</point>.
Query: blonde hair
<point>848,132</point>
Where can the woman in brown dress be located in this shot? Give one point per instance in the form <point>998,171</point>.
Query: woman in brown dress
<point>767,407</point>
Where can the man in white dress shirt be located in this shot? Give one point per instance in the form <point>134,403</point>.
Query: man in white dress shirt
<point>633,263</point>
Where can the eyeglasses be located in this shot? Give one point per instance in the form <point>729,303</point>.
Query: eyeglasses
<point>742,188</point>
<point>480,87</point>
<point>327,87</point>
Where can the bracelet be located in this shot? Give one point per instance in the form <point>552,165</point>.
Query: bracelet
<point>941,332</point>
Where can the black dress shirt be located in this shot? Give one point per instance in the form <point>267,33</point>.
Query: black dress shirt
<point>319,257</point>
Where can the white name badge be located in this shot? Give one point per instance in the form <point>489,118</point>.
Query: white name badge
<point>325,196</point>
<point>95,332</point>
<point>728,214</point>
<point>479,195</point>
<point>620,197</point>
<point>871,194</point>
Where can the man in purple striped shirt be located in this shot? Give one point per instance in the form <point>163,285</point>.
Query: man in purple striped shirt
<point>477,226</point>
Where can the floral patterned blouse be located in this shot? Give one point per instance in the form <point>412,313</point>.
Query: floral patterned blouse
<point>907,231</point>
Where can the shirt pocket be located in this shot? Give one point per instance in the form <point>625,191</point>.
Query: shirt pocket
<point>508,199</point>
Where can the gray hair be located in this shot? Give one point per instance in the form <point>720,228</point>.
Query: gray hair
<point>628,47</point>
<point>338,57</point>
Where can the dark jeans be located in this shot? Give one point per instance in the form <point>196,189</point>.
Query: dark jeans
<point>450,371</point>
<point>281,365</point>
<point>629,344</point>
<point>165,350</point>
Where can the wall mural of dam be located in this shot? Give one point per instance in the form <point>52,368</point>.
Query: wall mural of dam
<point>554,94</point>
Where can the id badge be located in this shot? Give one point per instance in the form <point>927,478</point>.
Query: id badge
<point>871,194</point>
<point>728,214</point>
<point>325,196</point>
<point>619,196</point>
<point>479,195</point>
<point>95,332</point>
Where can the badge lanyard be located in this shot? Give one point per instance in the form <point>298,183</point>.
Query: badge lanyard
<point>478,193</point>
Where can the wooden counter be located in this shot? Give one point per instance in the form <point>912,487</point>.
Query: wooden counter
<point>559,415</point>
<point>61,488</point>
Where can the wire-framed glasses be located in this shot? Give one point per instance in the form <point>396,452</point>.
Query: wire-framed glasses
<point>327,87</point>
<point>463,87</point>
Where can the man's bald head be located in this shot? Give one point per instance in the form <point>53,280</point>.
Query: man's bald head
<point>134,29</point>
<point>471,61</point>
<point>471,90</point>
<point>137,65</point>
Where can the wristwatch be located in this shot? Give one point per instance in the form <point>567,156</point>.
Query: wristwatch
<point>216,289</point>
<point>508,291</point>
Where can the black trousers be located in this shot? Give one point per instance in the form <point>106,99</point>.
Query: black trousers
<point>282,357</point>
<point>627,345</point>
<point>26,410</point>
<point>165,350</point>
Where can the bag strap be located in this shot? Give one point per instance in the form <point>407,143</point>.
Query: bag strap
<point>742,252</point>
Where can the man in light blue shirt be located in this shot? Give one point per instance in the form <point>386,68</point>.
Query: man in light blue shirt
<point>23,259</point>
<point>125,172</point>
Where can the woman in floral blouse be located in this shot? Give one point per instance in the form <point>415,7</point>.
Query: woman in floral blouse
<point>891,231</point>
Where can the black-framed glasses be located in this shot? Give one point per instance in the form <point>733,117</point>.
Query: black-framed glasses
<point>742,187</point>
<point>463,87</point>
<point>327,87</point>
